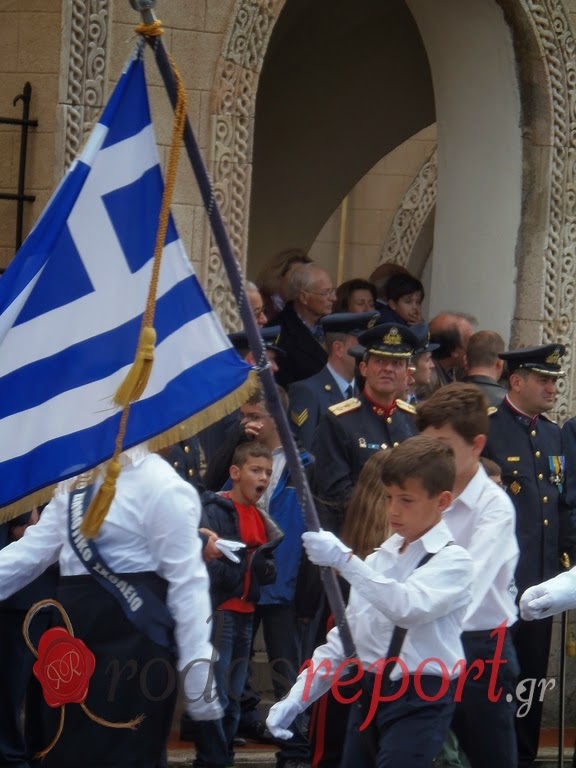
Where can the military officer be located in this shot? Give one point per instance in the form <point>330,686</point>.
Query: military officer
<point>187,459</point>
<point>310,398</point>
<point>354,429</point>
<point>527,445</point>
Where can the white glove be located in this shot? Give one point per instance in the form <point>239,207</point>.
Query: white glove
<point>534,602</point>
<point>200,694</point>
<point>323,548</point>
<point>281,716</point>
<point>549,598</point>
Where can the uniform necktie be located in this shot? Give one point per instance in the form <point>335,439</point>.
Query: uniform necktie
<point>349,391</point>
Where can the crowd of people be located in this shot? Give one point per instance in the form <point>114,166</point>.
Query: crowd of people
<point>444,491</point>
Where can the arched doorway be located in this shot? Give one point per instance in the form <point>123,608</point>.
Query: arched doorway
<point>536,50</point>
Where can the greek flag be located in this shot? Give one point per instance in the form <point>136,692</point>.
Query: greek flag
<point>71,307</point>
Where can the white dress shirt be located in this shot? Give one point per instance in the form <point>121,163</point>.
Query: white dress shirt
<point>387,590</point>
<point>152,525</point>
<point>482,519</point>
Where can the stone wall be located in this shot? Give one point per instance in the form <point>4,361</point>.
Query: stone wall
<point>372,204</point>
<point>29,51</point>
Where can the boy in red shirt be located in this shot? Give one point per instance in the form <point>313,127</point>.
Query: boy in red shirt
<point>235,586</point>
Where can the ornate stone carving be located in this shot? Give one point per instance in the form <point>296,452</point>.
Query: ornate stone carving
<point>85,42</point>
<point>557,45</point>
<point>231,152</point>
<point>553,36</point>
<point>413,211</point>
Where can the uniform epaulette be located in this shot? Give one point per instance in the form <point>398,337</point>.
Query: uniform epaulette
<point>352,404</point>
<point>492,409</point>
<point>545,416</point>
<point>404,406</point>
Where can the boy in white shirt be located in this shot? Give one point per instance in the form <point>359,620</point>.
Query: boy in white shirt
<point>481,519</point>
<point>417,580</point>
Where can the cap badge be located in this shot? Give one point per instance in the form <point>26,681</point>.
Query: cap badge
<point>371,323</point>
<point>392,338</point>
<point>553,358</point>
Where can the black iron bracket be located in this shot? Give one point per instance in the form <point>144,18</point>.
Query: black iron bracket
<point>25,123</point>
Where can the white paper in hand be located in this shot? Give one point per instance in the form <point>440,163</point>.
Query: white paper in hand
<point>228,547</point>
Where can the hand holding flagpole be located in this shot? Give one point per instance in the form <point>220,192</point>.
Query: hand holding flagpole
<point>298,476</point>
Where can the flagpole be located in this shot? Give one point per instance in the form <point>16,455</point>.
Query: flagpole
<point>297,474</point>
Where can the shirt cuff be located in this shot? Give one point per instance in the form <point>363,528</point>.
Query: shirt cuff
<point>356,571</point>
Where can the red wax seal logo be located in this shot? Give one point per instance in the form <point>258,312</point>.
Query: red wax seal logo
<point>64,667</point>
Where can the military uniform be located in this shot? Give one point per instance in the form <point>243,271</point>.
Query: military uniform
<point>309,400</point>
<point>355,429</point>
<point>346,437</point>
<point>529,452</point>
<point>311,397</point>
<point>186,458</point>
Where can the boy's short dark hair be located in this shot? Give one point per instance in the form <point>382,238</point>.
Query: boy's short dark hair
<point>492,469</point>
<point>250,450</point>
<point>421,458</point>
<point>403,285</point>
<point>461,406</point>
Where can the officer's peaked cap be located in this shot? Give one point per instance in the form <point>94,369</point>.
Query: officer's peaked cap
<point>352,323</point>
<point>389,340</point>
<point>544,359</point>
<point>269,336</point>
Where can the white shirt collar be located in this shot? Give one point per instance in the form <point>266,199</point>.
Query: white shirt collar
<point>432,541</point>
<point>471,493</point>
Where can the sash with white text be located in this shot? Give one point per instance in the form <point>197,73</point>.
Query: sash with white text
<point>141,606</point>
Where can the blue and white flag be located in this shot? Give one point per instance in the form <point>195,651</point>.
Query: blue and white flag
<point>71,307</point>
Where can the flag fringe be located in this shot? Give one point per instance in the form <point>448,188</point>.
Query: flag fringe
<point>182,431</point>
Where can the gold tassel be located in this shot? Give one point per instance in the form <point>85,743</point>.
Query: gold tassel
<point>137,377</point>
<point>100,504</point>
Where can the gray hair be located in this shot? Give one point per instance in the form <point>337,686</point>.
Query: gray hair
<point>302,279</point>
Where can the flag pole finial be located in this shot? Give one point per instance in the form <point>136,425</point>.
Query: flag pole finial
<point>145,7</point>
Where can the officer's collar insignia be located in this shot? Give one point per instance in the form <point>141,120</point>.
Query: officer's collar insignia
<point>392,338</point>
<point>553,358</point>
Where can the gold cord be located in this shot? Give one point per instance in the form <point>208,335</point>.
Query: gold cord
<point>134,384</point>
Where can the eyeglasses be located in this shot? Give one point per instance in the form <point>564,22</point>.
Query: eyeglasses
<point>325,293</point>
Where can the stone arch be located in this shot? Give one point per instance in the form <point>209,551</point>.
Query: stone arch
<point>413,220</point>
<point>546,59</point>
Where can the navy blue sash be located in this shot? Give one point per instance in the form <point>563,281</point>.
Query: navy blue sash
<point>144,609</point>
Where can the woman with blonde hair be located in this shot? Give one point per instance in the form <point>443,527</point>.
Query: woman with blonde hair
<point>365,525</point>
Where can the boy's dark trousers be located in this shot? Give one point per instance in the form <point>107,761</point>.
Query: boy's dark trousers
<point>486,729</point>
<point>408,731</point>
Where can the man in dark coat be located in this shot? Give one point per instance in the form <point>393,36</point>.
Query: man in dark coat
<point>484,366</point>
<point>527,445</point>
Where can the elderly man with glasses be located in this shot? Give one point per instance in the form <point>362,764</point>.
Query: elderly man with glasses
<point>301,334</point>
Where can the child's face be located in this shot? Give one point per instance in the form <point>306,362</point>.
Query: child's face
<point>251,479</point>
<point>411,511</point>
<point>465,454</point>
<point>409,307</point>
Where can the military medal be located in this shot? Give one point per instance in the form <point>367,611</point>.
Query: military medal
<point>515,487</point>
<point>557,466</point>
